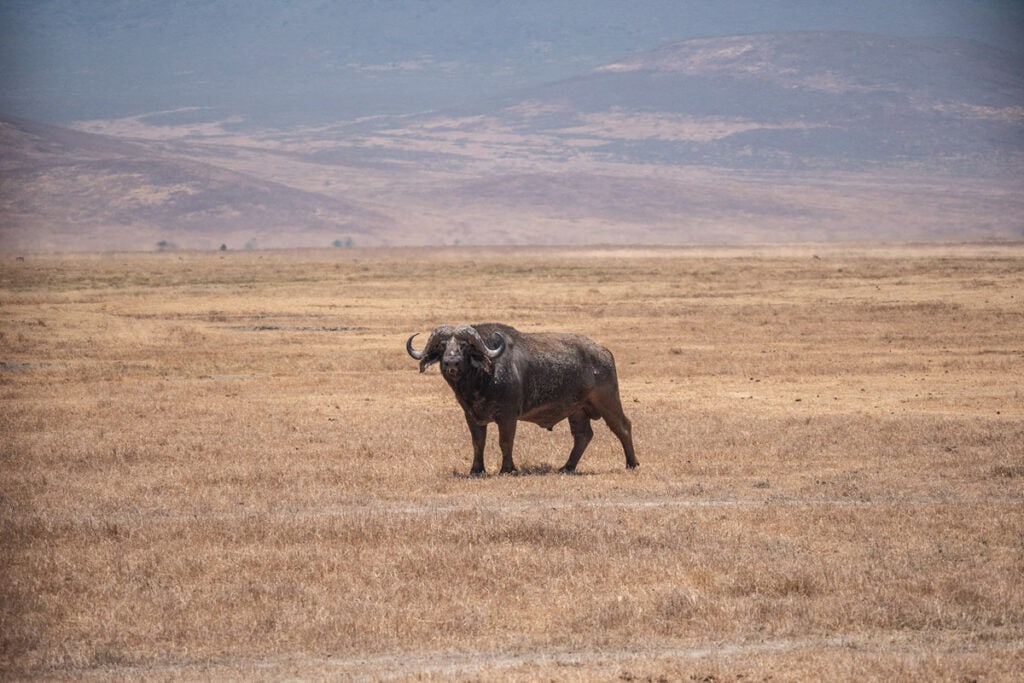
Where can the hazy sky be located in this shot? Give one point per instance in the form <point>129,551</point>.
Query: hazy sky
<point>302,61</point>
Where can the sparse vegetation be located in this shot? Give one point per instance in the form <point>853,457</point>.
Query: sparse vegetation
<point>229,468</point>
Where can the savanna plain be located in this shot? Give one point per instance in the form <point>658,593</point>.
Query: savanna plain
<point>224,466</point>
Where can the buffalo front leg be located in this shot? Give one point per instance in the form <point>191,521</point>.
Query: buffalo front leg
<point>479,434</point>
<point>506,438</point>
<point>582,433</point>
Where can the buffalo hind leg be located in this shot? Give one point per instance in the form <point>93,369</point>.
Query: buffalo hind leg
<point>622,428</point>
<point>582,433</point>
<point>610,408</point>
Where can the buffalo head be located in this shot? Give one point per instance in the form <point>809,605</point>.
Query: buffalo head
<point>458,350</point>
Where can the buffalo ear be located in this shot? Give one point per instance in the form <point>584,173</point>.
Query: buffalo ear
<point>428,360</point>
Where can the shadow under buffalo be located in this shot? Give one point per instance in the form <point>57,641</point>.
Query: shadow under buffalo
<point>538,470</point>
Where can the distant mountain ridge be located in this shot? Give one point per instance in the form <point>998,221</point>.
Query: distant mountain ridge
<point>285,63</point>
<point>805,99</point>
<point>754,138</point>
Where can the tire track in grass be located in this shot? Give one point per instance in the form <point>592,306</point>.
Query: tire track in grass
<point>395,508</point>
<point>452,665</point>
<point>455,665</point>
<point>447,664</point>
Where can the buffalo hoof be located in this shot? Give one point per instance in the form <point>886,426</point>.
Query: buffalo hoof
<point>565,469</point>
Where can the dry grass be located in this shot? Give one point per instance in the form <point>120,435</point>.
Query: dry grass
<point>225,466</point>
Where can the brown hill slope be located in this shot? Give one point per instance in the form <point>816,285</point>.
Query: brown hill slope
<point>68,190</point>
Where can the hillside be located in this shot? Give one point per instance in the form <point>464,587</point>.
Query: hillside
<point>757,138</point>
<point>68,190</point>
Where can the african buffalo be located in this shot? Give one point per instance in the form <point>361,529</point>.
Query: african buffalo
<point>502,375</point>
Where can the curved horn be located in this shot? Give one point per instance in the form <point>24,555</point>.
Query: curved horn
<point>473,337</point>
<point>418,355</point>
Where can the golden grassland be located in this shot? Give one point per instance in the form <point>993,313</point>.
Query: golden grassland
<point>224,466</point>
